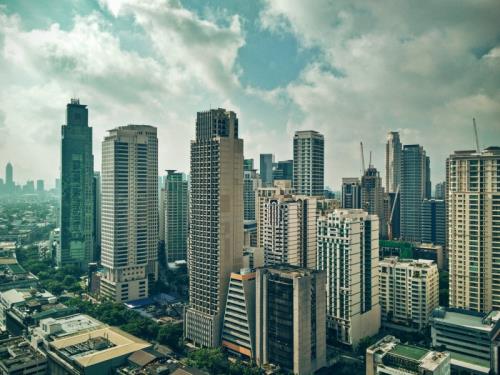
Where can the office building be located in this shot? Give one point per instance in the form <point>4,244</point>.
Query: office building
<point>413,191</point>
<point>309,163</point>
<point>440,191</point>
<point>433,221</point>
<point>372,196</point>
<point>40,186</point>
<point>17,357</point>
<point>176,216</point>
<point>290,318</point>
<point>283,170</point>
<point>129,212</point>
<point>251,182</point>
<point>97,216</point>
<point>9,178</point>
<point>77,186</point>
<point>432,252</point>
<point>351,192</point>
<point>238,331</point>
<point>409,291</point>
<point>348,242</point>
<point>472,338</point>
<point>473,223</point>
<point>281,187</point>
<point>388,356</point>
<point>29,187</point>
<point>393,160</point>
<point>216,231</point>
<point>248,165</point>
<point>266,169</point>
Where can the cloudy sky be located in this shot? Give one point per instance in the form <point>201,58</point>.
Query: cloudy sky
<point>352,70</point>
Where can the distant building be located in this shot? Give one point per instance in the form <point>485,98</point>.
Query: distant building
<point>129,184</point>
<point>238,331</point>
<point>433,222</point>
<point>351,192</point>
<point>472,338</point>
<point>440,190</point>
<point>40,186</point>
<point>266,169</point>
<point>290,318</point>
<point>392,213</point>
<point>413,190</point>
<point>473,222</point>
<point>393,160</point>
<point>309,163</point>
<point>77,183</point>
<point>409,291</point>
<point>249,233</point>
<point>348,242</point>
<point>19,357</point>
<point>432,252</point>
<point>9,178</point>
<point>176,216</point>
<point>97,216</point>
<point>251,182</point>
<point>289,231</point>
<point>283,170</point>
<point>372,196</point>
<point>389,356</point>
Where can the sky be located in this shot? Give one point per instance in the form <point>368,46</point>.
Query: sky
<point>350,70</point>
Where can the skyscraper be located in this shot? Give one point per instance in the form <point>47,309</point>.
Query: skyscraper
<point>433,221</point>
<point>283,170</point>
<point>440,190</point>
<point>216,231</point>
<point>97,215</point>
<point>372,196</point>
<point>266,169</point>
<point>414,188</point>
<point>309,163</point>
<point>176,216</point>
<point>77,187</point>
<point>129,212</point>
<point>348,243</point>
<point>9,178</point>
<point>40,186</point>
<point>290,318</point>
<point>251,182</point>
<point>393,158</point>
<point>351,192</point>
<point>473,222</point>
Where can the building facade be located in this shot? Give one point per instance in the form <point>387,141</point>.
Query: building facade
<point>351,192</point>
<point>290,318</point>
<point>409,291</point>
<point>251,182</point>
<point>393,159</point>
<point>433,222</point>
<point>176,216</point>
<point>309,163</point>
<point>372,196</point>
<point>473,223</point>
<point>216,232</point>
<point>348,242</point>
<point>77,187</point>
<point>283,170</point>
<point>129,212</point>
<point>266,169</point>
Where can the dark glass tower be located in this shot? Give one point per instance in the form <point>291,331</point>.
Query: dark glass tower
<point>77,188</point>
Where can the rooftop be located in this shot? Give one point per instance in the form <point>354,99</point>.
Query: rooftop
<point>409,351</point>
<point>469,319</point>
<point>16,351</point>
<point>61,327</point>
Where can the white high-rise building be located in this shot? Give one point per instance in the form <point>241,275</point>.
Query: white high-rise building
<point>216,231</point>
<point>309,163</point>
<point>473,225</point>
<point>129,212</point>
<point>289,231</point>
<point>409,291</point>
<point>393,151</point>
<point>348,242</point>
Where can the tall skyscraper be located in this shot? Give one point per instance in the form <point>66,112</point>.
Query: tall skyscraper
<point>77,187</point>
<point>433,221</point>
<point>129,212</point>
<point>283,170</point>
<point>266,169</point>
<point>9,178</point>
<point>414,188</point>
<point>40,186</point>
<point>348,243</point>
<point>372,196</point>
<point>440,190</point>
<point>176,216</point>
<point>393,156</point>
<point>290,318</point>
<point>97,215</point>
<point>251,182</point>
<point>289,231</point>
<point>473,224</point>
<point>309,163</point>
<point>216,231</point>
<point>351,192</point>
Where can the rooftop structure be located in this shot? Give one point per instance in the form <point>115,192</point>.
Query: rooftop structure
<point>18,357</point>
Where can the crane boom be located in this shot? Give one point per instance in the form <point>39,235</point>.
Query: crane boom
<point>389,222</point>
<point>362,158</point>
<point>476,137</point>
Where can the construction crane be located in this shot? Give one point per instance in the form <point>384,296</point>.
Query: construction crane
<point>476,137</point>
<point>389,222</point>
<point>362,158</point>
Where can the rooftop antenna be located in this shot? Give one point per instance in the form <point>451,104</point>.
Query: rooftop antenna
<point>362,158</point>
<point>476,137</point>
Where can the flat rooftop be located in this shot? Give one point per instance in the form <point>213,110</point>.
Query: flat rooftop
<point>409,351</point>
<point>81,349</point>
<point>72,324</point>
<point>468,319</point>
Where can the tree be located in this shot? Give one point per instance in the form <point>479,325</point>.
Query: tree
<point>171,335</point>
<point>212,360</point>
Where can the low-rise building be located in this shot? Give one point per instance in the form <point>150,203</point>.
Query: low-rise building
<point>409,291</point>
<point>389,357</point>
<point>17,357</point>
<point>472,338</point>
